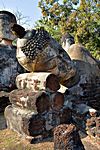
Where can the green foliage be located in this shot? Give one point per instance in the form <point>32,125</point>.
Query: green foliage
<point>80,18</point>
<point>54,16</point>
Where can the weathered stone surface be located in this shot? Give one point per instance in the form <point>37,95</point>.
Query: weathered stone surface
<point>54,118</point>
<point>89,84</point>
<point>87,120</point>
<point>98,129</point>
<point>24,99</point>
<point>86,93</point>
<point>39,101</point>
<point>66,116</point>
<point>6,19</point>
<point>37,81</point>
<point>37,125</point>
<point>47,109</point>
<point>91,122</point>
<point>88,88</point>
<point>9,68</point>
<point>79,52</point>
<point>83,109</point>
<point>91,94</point>
<point>66,137</point>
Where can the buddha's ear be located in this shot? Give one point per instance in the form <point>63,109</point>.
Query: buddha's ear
<point>18,30</point>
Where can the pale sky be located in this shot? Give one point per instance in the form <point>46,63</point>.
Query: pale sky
<point>26,7</point>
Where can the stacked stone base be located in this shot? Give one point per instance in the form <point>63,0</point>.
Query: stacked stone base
<point>29,123</point>
<point>33,113</point>
<point>36,113</point>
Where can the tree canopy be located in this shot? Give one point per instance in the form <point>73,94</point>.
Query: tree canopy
<point>80,18</point>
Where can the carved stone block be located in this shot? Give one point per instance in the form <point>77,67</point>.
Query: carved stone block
<point>24,121</point>
<point>66,137</point>
<point>35,101</point>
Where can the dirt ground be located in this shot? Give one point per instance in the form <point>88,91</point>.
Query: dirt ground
<point>9,140</point>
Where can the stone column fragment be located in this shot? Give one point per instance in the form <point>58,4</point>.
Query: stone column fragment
<point>35,101</point>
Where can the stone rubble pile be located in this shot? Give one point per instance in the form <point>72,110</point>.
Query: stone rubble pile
<point>87,120</point>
